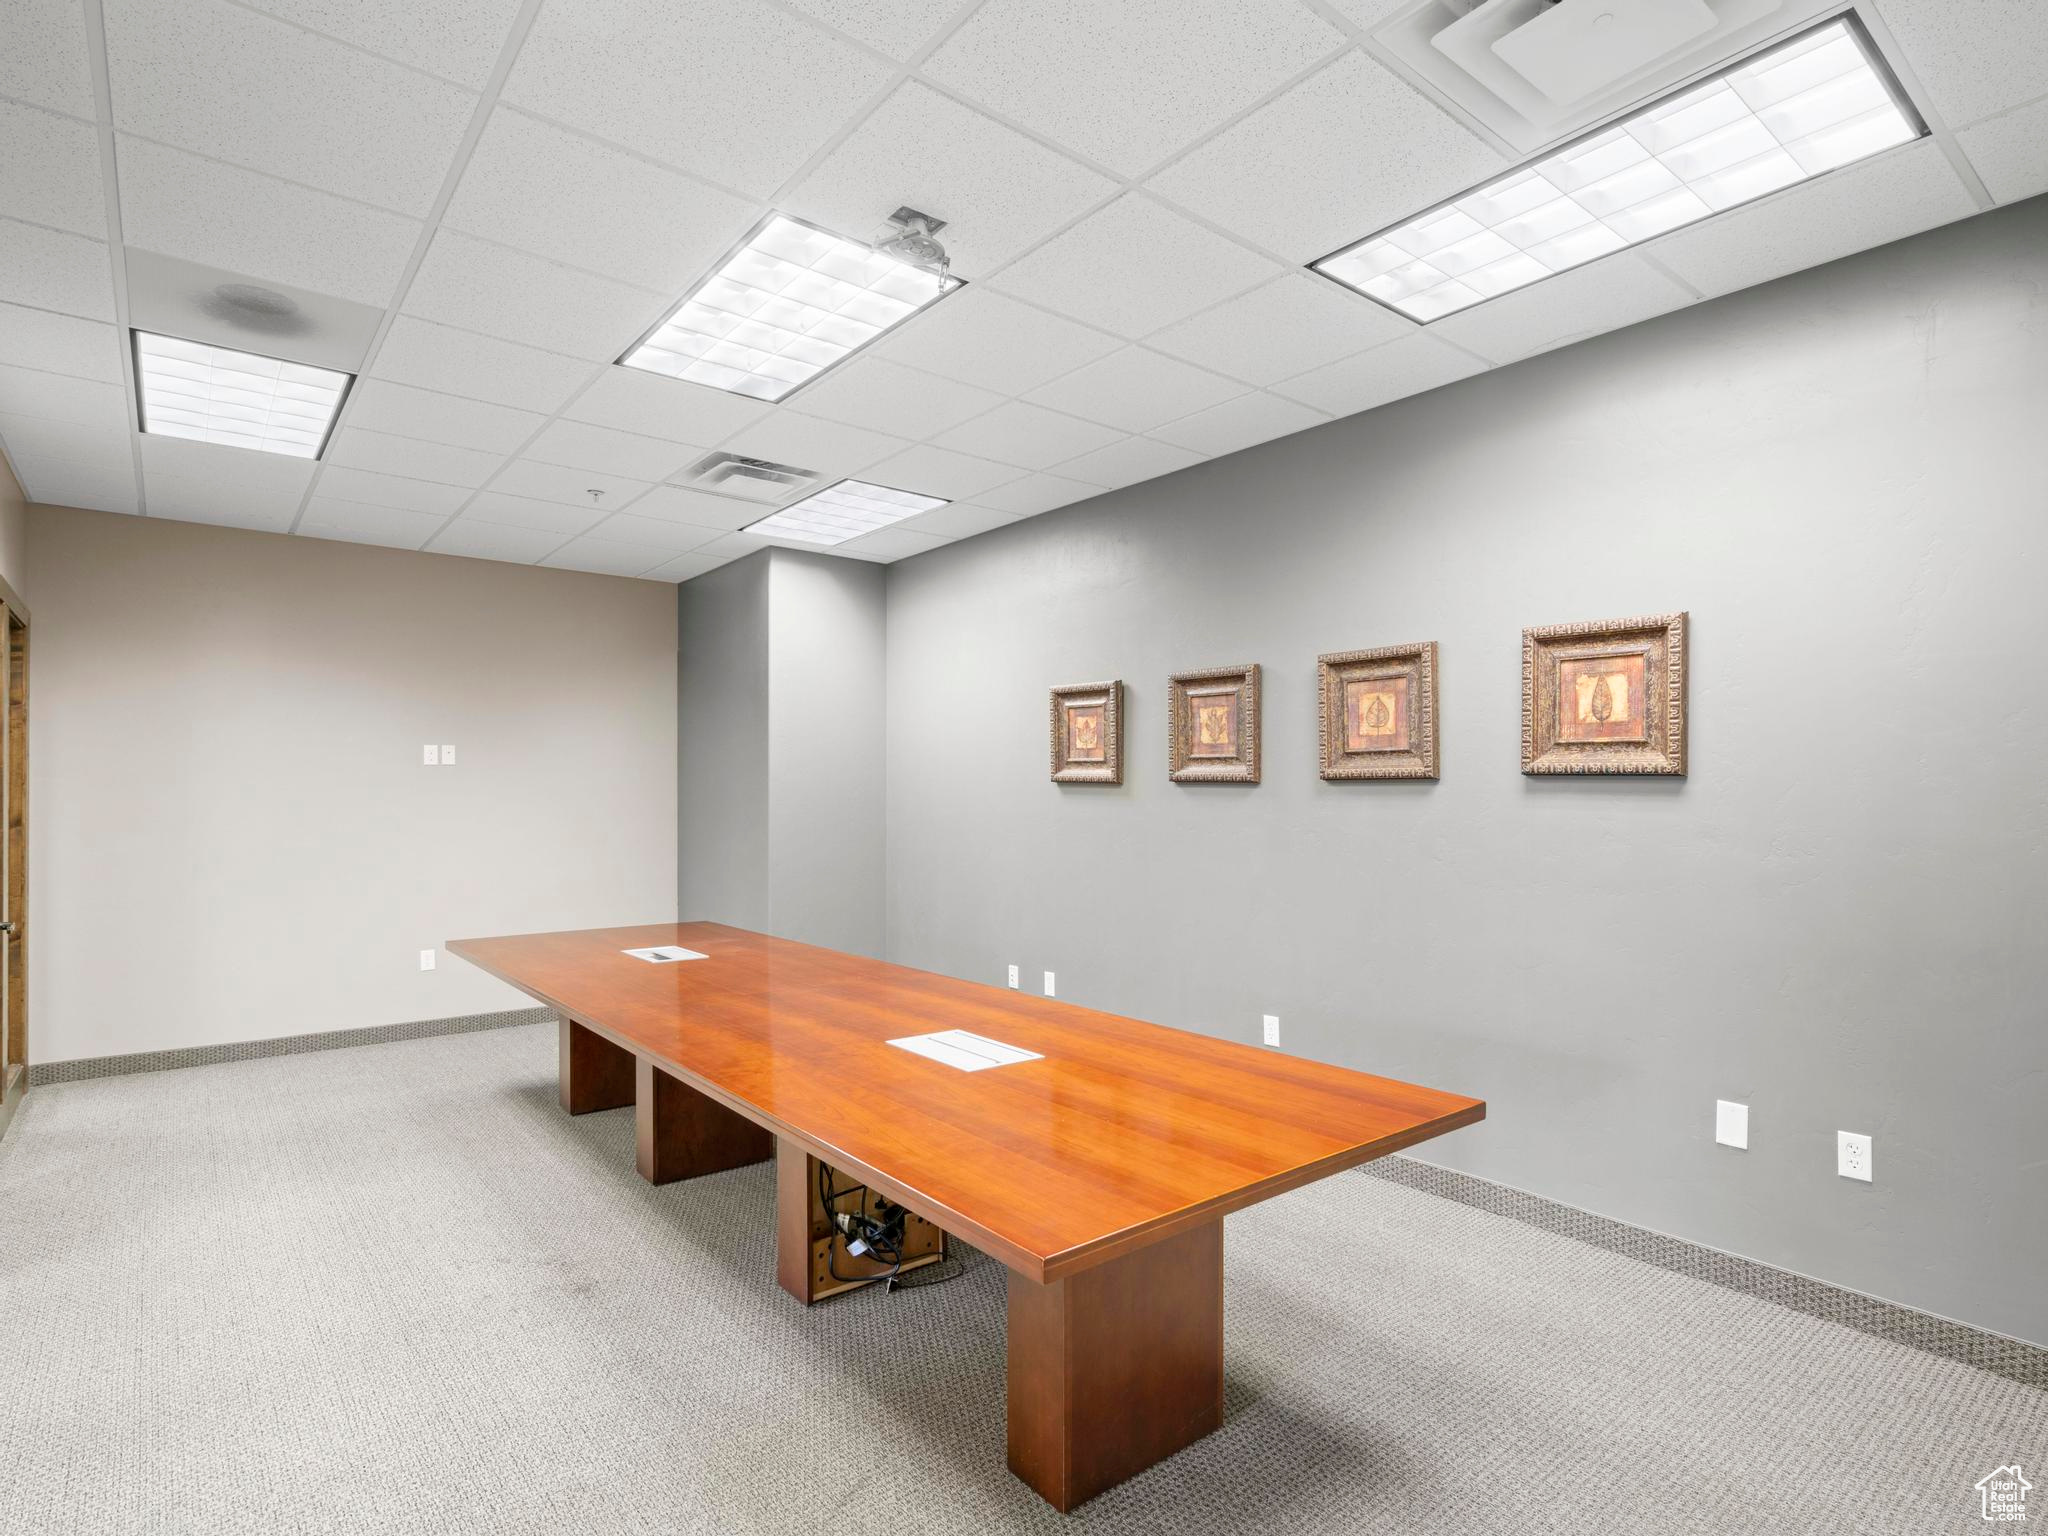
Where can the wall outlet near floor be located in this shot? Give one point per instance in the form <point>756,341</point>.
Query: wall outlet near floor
<point>430,757</point>
<point>1272,1023</point>
<point>1852,1155</point>
<point>426,959</point>
<point>1731,1124</point>
<point>1048,984</point>
<point>1013,978</point>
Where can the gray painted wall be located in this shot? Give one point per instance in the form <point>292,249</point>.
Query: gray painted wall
<point>1836,919</point>
<point>780,689</point>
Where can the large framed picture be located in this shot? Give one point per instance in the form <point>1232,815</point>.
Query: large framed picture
<point>1088,733</point>
<point>1213,725</point>
<point>1379,712</point>
<point>1605,697</point>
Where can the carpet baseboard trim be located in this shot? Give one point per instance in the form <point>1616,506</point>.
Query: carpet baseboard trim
<point>42,1072</point>
<point>2014,1359</point>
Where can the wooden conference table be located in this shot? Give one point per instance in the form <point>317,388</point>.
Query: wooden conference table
<point>1098,1171</point>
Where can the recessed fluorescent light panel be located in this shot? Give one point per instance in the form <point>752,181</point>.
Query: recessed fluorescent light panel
<point>843,511</point>
<point>1796,112</point>
<point>791,302</point>
<point>217,395</point>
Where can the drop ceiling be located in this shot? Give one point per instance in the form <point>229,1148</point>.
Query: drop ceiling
<point>510,193</point>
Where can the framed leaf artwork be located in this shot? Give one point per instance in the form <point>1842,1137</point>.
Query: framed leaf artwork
<point>1213,721</point>
<point>1605,697</point>
<point>1379,712</point>
<point>1088,733</point>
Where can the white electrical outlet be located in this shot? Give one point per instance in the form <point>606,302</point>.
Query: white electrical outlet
<point>1013,977</point>
<point>1272,1022</point>
<point>1048,984</point>
<point>430,757</point>
<point>1852,1155</point>
<point>426,959</point>
<point>448,756</point>
<point>1731,1124</point>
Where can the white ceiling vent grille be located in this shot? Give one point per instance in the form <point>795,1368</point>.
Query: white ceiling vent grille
<point>1535,71</point>
<point>744,479</point>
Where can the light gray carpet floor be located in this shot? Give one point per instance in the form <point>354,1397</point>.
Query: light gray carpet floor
<point>396,1289</point>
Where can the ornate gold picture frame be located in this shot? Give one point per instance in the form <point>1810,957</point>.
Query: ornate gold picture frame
<point>1088,733</point>
<point>1605,697</point>
<point>1213,726</point>
<point>1379,712</point>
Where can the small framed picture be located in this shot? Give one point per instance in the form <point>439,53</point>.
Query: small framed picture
<point>1379,712</point>
<point>1213,720</point>
<point>1605,697</point>
<point>1088,733</point>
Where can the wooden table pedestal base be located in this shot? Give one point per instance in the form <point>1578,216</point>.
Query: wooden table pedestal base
<point>595,1074</point>
<point>680,1133</point>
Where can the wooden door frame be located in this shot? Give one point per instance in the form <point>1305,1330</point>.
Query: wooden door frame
<point>14,648</point>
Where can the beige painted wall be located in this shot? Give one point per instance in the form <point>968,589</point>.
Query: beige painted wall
<point>232,835</point>
<point>13,531</point>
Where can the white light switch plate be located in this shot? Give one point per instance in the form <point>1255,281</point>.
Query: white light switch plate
<point>1048,984</point>
<point>1731,1124</point>
<point>448,756</point>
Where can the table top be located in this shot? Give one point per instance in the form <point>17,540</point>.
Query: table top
<point>1121,1134</point>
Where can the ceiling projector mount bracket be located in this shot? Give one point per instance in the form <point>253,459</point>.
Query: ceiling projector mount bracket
<point>915,241</point>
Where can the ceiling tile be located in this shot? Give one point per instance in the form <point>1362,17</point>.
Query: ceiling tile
<point>104,485</point>
<point>218,464</point>
<point>1287,327</point>
<point>50,173</point>
<point>457,39</point>
<point>1135,390</point>
<point>980,336</point>
<point>897,27</point>
<point>356,523</point>
<point>1973,59</point>
<point>872,392</point>
<point>830,448</point>
<point>509,294</point>
<point>1409,366</point>
<point>566,197</point>
<point>212,77</point>
<point>48,270</point>
<point>1133,268</point>
<point>743,93</point>
<point>45,437</point>
<point>357,448</point>
<point>1037,493</point>
<point>1366,14</point>
<point>1132,460</point>
<point>494,541</point>
<point>2011,152</point>
<point>684,567</point>
<point>571,487</point>
<point>604,558</point>
<point>456,362</point>
<point>886,545</point>
<point>1312,169</point>
<point>930,471</point>
<point>634,400</point>
<point>1614,291</point>
<point>959,521</point>
<point>554,517</point>
<point>580,445</point>
<point>674,504</point>
<point>36,338</point>
<point>1072,72</point>
<point>383,406</point>
<point>228,504</point>
<point>1239,423</point>
<point>223,216</point>
<point>45,59</point>
<point>1897,194</point>
<point>735,546</point>
<point>345,484</point>
<point>24,392</point>
<point>1028,436</point>
<point>653,533</point>
<point>999,191</point>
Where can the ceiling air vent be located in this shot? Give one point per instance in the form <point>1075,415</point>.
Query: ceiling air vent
<point>743,479</point>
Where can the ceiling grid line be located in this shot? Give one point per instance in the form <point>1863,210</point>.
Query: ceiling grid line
<point>103,102</point>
